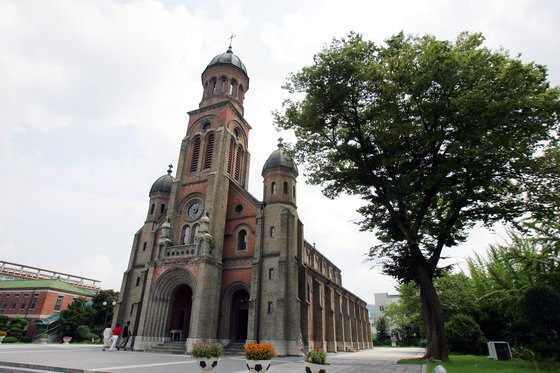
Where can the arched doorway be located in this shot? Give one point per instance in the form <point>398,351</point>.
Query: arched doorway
<point>239,317</point>
<point>181,313</point>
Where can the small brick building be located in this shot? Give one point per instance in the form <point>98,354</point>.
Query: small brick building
<point>38,300</point>
<point>213,263</point>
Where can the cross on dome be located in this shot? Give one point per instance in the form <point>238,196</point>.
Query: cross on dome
<point>170,169</point>
<point>231,39</point>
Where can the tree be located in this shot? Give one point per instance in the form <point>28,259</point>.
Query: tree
<point>435,136</point>
<point>382,330</point>
<point>518,288</point>
<point>77,314</point>
<point>103,312</point>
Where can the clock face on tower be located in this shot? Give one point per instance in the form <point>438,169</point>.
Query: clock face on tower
<point>194,211</point>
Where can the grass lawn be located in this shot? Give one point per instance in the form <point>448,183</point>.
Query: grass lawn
<point>482,364</point>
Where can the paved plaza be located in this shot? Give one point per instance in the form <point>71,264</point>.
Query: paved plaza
<point>88,358</point>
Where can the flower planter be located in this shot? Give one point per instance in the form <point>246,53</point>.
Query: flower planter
<point>207,364</point>
<point>258,366</point>
<point>1,338</point>
<point>66,340</point>
<point>44,340</point>
<point>316,368</point>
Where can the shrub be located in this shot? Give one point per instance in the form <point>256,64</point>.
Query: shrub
<point>25,340</point>
<point>522,353</point>
<point>84,333</point>
<point>464,335</point>
<point>259,351</point>
<point>207,350</point>
<point>317,356</point>
<point>16,327</point>
<point>10,340</point>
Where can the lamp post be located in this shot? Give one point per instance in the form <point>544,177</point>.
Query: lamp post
<point>113,304</point>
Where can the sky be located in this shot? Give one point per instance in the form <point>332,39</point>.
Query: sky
<point>94,96</point>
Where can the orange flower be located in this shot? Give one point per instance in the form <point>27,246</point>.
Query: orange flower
<point>259,351</point>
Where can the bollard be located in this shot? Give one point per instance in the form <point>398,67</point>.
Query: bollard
<point>439,369</point>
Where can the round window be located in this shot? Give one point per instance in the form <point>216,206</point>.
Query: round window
<point>237,209</point>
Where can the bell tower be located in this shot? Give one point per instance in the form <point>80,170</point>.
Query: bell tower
<point>213,154</point>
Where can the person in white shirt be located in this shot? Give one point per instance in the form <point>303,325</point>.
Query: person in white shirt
<point>107,334</point>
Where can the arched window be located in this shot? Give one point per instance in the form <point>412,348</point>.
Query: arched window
<point>162,208</point>
<point>195,154</point>
<point>273,188</point>
<point>152,208</point>
<point>285,187</point>
<point>230,157</point>
<point>238,160</point>
<point>240,93</point>
<point>223,81</point>
<point>194,232</point>
<point>242,240</point>
<point>233,88</point>
<point>294,191</point>
<point>209,151</point>
<point>213,86</point>
<point>186,235</point>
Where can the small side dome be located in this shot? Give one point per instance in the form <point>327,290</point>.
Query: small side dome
<point>228,58</point>
<point>280,158</point>
<point>163,184</point>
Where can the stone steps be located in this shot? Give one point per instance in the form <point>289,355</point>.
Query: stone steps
<point>176,348</point>
<point>234,348</point>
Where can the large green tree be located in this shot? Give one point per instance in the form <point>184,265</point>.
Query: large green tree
<point>434,135</point>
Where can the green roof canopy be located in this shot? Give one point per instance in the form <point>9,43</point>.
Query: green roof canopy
<point>45,284</point>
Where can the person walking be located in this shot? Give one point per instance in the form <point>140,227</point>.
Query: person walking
<point>115,338</point>
<point>107,334</point>
<point>126,334</point>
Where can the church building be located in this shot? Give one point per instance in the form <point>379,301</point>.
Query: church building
<point>213,263</point>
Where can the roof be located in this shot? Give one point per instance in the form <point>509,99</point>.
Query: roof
<point>163,184</point>
<point>228,58</point>
<point>280,158</point>
<point>45,284</point>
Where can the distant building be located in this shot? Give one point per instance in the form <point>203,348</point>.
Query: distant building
<point>382,300</point>
<point>39,295</point>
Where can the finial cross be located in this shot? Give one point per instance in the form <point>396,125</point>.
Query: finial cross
<point>231,39</point>
<point>280,142</point>
<point>170,167</point>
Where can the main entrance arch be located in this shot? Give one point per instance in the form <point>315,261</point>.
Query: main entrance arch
<point>170,305</point>
<point>181,312</point>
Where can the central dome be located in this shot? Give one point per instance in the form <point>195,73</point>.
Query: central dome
<point>228,58</point>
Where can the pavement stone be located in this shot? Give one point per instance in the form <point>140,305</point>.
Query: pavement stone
<point>90,358</point>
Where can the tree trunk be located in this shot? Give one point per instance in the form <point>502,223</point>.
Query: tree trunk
<point>432,313</point>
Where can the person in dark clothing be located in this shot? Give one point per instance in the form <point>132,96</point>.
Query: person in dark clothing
<point>126,334</point>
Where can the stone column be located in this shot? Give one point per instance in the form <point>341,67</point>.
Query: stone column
<point>318,315</point>
<point>354,324</point>
<point>339,321</point>
<point>347,324</point>
<point>330,320</point>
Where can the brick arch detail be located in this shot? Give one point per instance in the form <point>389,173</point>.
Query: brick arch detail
<point>226,305</point>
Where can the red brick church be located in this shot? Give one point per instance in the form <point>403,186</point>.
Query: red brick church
<point>213,263</point>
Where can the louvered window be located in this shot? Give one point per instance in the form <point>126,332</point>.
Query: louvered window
<point>230,158</point>
<point>195,154</point>
<point>238,159</point>
<point>209,151</point>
